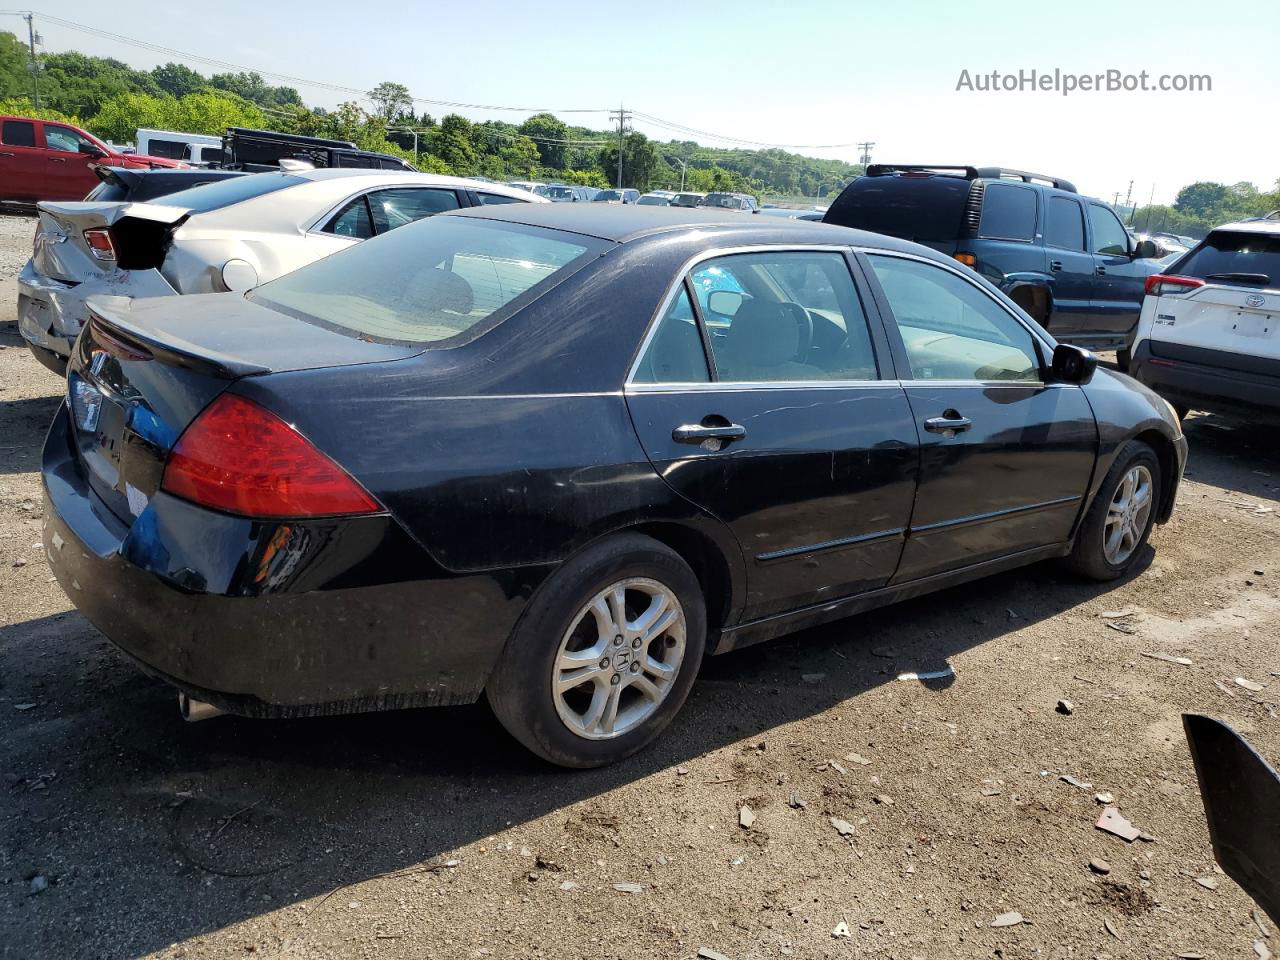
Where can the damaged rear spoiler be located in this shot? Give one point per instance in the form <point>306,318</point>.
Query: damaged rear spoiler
<point>140,232</point>
<point>110,328</point>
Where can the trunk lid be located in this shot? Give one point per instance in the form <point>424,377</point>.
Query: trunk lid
<point>142,370</point>
<point>140,233</point>
<point>1242,320</point>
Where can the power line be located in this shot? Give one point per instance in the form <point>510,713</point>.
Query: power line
<point>681,128</point>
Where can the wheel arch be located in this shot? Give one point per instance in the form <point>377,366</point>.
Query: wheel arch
<point>1037,296</point>
<point>1168,459</point>
<point>707,559</point>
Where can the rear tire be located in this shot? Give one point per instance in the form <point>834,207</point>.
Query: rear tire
<point>604,655</point>
<point>1120,518</point>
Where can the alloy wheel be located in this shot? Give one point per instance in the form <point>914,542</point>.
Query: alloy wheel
<point>1127,515</point>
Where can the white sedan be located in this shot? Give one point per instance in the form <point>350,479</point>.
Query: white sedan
<point>225,236</point>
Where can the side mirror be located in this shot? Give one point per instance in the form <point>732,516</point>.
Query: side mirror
<point>1146,250</point>
<point>1072,364</point>
<point>91,149</point>
<point>724,302</point>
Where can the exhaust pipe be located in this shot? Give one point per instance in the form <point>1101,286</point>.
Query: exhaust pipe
<point>194,711</point>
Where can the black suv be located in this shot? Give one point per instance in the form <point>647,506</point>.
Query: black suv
<point>1065,259</point>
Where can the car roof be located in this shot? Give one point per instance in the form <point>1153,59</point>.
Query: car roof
<point>1251,226</point>
<point>401,177</point>
<point>625,224</point>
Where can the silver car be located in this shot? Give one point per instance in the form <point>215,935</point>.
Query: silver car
<point>226,236</point>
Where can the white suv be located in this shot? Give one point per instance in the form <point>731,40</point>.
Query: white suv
<point>1208,337</point>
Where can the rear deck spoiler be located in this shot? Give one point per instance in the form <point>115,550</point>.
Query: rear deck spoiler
<point>110,326</point>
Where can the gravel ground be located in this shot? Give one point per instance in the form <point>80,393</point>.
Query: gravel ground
<point>429,833</point>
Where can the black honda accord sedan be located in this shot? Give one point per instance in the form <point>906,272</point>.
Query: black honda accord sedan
<point>557,454</point>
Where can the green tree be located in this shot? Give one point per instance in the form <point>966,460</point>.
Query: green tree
<point>547,127</point>
<point>177,80</point>
<point>1200,199</point>
<point>451,142</point>
<point>208,111</point>
<point>81,84</point>
<point>252,87</point>
<point>391,100</point>
<point>641,162</point>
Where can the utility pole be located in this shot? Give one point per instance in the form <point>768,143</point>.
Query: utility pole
<point>683,167</point>
<point>622,116</point>
<point>1115,204</point>
<point>866,153</point>
<point>32,38</point>
<point>1149,203</point>
<point>1128,195</point>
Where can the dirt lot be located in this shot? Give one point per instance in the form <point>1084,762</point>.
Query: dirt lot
<point>430,833</point>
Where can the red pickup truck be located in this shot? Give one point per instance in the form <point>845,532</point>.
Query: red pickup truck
<point>43,160</point>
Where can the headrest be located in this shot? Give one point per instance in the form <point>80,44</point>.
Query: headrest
<point>764,334</point>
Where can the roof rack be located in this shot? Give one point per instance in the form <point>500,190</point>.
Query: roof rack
<point>970,173</point>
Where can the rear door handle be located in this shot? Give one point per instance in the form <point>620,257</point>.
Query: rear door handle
<point>1055,265</point>
<point>6,154</point>
<point>1100,271</point>
<point>696,433</point>
<point>57,159</point>
<point>949,424</point>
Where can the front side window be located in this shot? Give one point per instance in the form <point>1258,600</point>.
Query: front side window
<point>784,316</point>
<point>1008,213</point>
<point>1064,228</point>
<point>352,221</point>
<point>950,328</point>
<point>67,140</point>
<point>396,207</point>
<point>438,282</point>
<point>675,354</point>
<point>1109,236</point>
<point>18,133</point>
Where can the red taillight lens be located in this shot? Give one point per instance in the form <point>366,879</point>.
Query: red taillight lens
<point>240,458</point>
<point>99,241</point>
<point>1162,284</point>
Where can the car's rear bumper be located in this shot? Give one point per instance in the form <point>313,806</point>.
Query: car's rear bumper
<point>1211,380</point>
<point>275,619</point>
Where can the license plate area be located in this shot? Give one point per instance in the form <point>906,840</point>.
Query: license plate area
<point>1254,324</point>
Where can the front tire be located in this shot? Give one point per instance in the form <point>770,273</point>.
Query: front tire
<point>604,655</point>
<point>1120,518</point>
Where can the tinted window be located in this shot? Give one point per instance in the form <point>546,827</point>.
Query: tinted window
<point>215,196</point>
<point>951,329</point>
<point>438,280</point>
<point>1108,235</point>
<point>356,160</point>
<point>1064,226</point>
<point>171,149</point>
<point>210,154</point>
<point>675,354</point>
<point>396,207</point>
<point>784,316</point>
<point>1255,255</point>
<point>1008,212</point>
<point>924,209</point>
<point>560,193</point>
<point>487,198</point>
<point>108,193</point>
<point>603,196</point>
<point>352,221</point>
<point>65,139</point>
<point>19,133</point>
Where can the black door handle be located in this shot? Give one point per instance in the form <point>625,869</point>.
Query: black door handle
<point>1100,271</point>
<point>1055,265</point>
<point>949,424</point>
<point>696,433</point>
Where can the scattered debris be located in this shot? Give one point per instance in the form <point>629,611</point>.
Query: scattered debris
<point>883,800</point>
<point>24,706</point>
<point>841,931</point>
<point>1260,923</point>
<point>843,827</point>
<point>1192,955</point>
<point>1111,929</point>
<point>1224,688</point>
<point>1249,684</point>
<point>629,887</point>
<point>1105,798</point>
<point>1113,822</point>
<point>682,771</point>
<point>1010,919</point>
<point>568,885</point>
<point>813,677</point>
<point>929,675</point>
<point>1262,950</point>
<point>1121,626</point>
<point>836,767</point>
<point>1181,661</point>
<point>1124,614</point>
<point>1065,707</point>
<point>990,791</point>
<point>858,759</point>
<point>1067,778</point>
<point>20,562</point>
<point>887,652</point>
<point>746,817</point>
<point>39,884</point>
<point>706,953</point>
<point>1209,883</point>
<point>1100,866</point>
<point>795,802</point>
<point>539,863</point>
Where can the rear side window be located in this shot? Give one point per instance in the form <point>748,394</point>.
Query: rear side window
<point>441,281</point>
<point>19,133</point>
<point>394,208</point>
<point>1008,213</point>
<point>1064,226</point>
<point>487,198</point>
<point>352,221</point>
<point>1239,257</point>
<point>676,353</point>
<point>215,196</point>
<point>927,209</point>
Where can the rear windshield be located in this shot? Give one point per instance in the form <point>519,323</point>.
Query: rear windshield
<point>924,209</point>
<point>215,196</point>
<point>609,195</point>
<point>1227,256</point>
<point>440,281</point>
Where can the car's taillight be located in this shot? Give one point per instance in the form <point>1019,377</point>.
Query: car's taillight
<point>240,458</point>
<point>1162,284</point>
<point>100,245</point>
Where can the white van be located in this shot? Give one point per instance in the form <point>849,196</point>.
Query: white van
<point>1208,337</point>
<point>197,148</point>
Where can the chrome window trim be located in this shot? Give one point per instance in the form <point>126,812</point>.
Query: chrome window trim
<point>743,386</point>
<point>1038,336</point>
<point>676,285</point>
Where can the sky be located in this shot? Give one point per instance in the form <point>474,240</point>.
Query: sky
<point>809,72</point>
